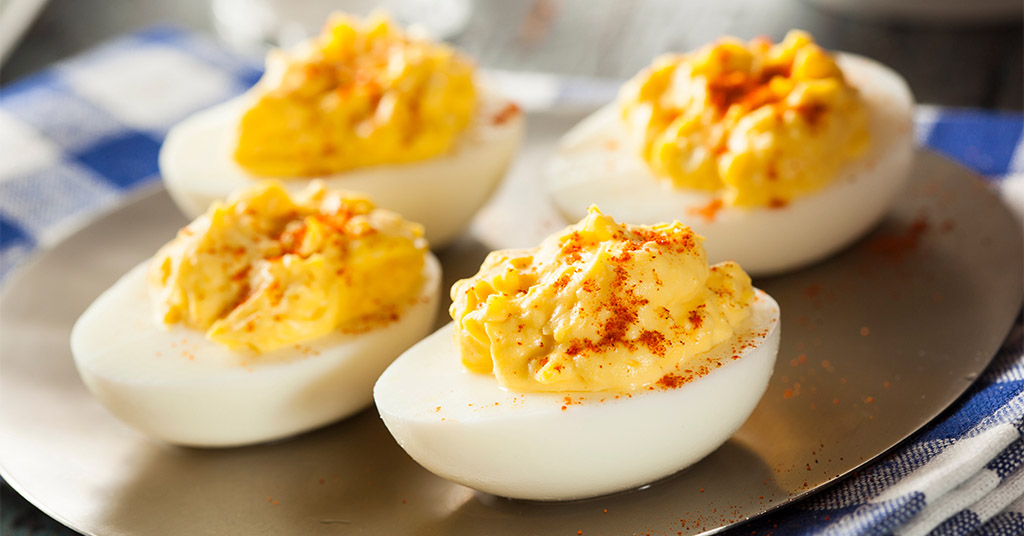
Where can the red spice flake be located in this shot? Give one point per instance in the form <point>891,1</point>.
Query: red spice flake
<point>758,97</point>
<point>505,114</point>
<point>655,342</point>
<point>322,481</point>
<point>787,394</point>
<point>237,251</point>
<point>865,331</point>
<point>811,112</point>
<point>869,399</point>
<point>709,211</point>
<point>572,248</point>
<point>896,246</point>
<point>777,202</point>
<point>802,358</point>
<point>739,88</point>
<point>697,317</point>
<point>606,510</point>
<point>241,274</point>
<point>672,381</point>
<point>835,401</point>
<point>579,532</point>
<point>886,384</point>
<point>563,408</point>
<point>403,501</point>
<point>812,290</point>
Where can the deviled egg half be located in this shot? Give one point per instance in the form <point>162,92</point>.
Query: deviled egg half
<point>364,107</point>
<point>608,357</point>
<point>265,317</point>
<point>779,154</point>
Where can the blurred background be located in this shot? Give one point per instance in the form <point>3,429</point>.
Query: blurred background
<point>961,53</point>
<point>953,52</point>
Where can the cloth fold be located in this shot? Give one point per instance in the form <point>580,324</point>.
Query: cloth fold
<point>81,136</point>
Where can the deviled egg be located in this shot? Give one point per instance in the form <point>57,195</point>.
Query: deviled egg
<point>265,317</point>
<point>779,154</point>
<point>364,107</point>
<point>608,357</point>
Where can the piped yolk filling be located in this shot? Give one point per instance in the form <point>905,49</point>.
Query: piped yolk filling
<point>265,270</point>
<point>760,123</point>
<point>360,94</point>
<point>601,306</point>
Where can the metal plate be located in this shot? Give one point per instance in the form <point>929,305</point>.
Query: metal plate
<point>876,342</point>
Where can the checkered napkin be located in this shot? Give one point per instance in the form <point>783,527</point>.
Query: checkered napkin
<point>77,139</point>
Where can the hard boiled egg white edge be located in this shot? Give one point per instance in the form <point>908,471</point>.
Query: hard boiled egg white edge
<point>177,386</point>
<point>594,164</point>
<point>463,427</point>
<point>442,193</point>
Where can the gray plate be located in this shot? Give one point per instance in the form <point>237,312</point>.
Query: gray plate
<point>876,342</point>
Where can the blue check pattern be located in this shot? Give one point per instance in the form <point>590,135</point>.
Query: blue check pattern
<point>79,138</point>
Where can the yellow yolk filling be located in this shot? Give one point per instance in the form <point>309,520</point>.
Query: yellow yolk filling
<point>362,93</point>
<point>761,123</point>
<point>265,270</point>
<point>601,306</point>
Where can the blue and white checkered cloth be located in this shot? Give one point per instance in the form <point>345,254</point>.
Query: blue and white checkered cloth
<point>78,138</point>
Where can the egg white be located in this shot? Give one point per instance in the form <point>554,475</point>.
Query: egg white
<point>463,427</point>
<point>442,193</point>
<point>175,385</point>
<point>594,164</point>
